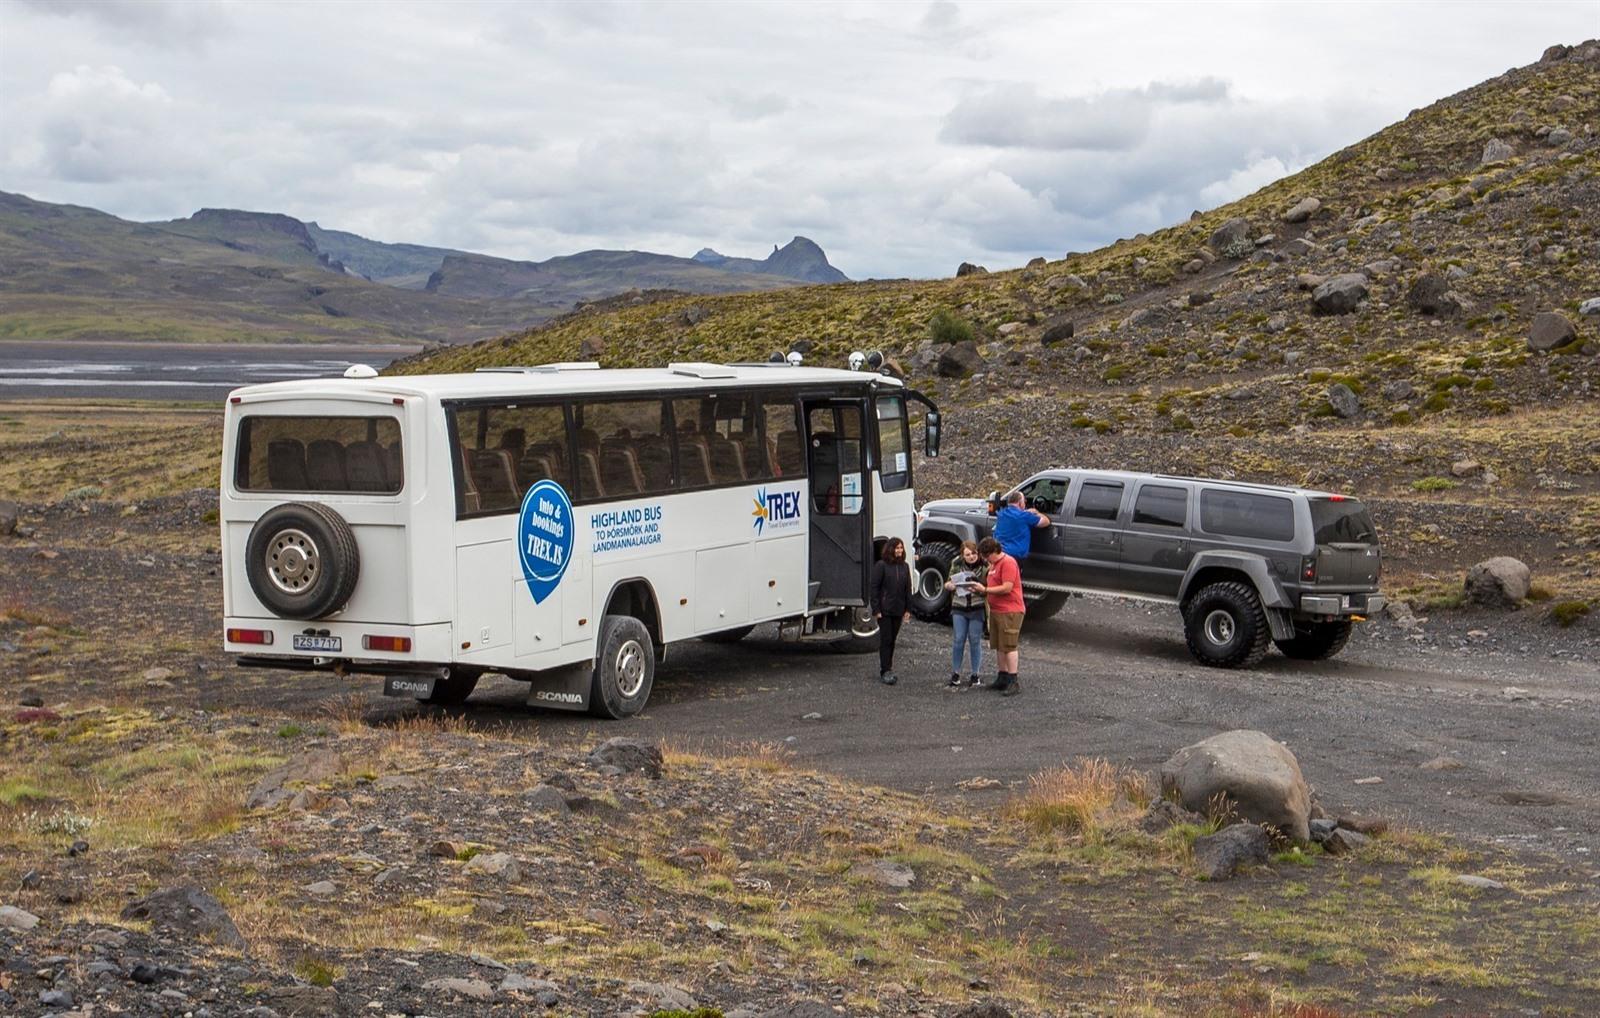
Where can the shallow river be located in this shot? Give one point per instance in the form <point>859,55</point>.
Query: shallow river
<point>167,371</point>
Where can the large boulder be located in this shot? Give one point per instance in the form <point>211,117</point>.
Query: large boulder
<point>1219,856</point>
<point>1499,582</point>
<point>1246,771</point>
<point>969,269</point>
<point>1550,330</point>
<point>1232,238</point>
<point>188,911</point>
<point>1340,294</point>
<point>960,360</point>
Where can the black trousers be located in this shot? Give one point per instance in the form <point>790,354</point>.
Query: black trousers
<point>888,632</point>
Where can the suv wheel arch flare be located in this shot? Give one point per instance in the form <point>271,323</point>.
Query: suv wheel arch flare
<point>302,561</point>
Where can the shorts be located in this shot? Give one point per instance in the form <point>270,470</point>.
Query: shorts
<point>1005,630</point>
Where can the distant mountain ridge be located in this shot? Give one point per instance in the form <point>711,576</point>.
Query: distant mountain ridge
<point>71,272</point>
<point>801,258</point>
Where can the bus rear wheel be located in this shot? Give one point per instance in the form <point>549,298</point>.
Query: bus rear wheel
<point>624,668</point>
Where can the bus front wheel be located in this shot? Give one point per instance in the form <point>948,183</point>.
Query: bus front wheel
<point>624,668</point>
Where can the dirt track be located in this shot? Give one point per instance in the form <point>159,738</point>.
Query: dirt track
<point>1105,679</point>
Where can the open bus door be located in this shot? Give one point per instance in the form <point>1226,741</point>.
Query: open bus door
<point>841,500</point>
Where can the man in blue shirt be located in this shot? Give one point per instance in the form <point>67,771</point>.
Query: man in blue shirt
<point>1013,523</point>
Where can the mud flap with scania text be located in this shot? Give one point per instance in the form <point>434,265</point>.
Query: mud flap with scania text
<point>562,688</point>
<point>419,686</point>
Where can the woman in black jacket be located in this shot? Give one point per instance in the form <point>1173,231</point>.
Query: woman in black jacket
<point>891,602</point>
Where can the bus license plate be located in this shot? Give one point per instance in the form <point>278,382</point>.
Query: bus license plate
<point>318,643</point>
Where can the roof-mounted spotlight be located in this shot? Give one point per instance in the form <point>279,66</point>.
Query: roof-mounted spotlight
<point>794,358</point>
<point>875,359</point>
<point>776,357</point>
<point>360,371</point>
<point>857,358</point>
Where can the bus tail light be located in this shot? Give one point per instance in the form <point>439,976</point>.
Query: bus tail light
<point>392,644</point>
<point>261,637</point>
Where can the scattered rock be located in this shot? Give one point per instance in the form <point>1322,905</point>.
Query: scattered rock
<point>14,918</point>
<point>1069,281</point>
<point>321,889</point>
<point>494,864</point>
<point>1219,856</point>
<point>271,790</point>
<point>1341,294</point>
<point>1164,814</point>
<point>9,514</point>
<point>1302,210</point>
<point>693,315</point>
<point>1276,323</point>
<point>969,269</point>
<point>884,873</point>
<point>1373,780</point>
<point>1372,827</point>
<point>1499,582</point>
<point>454,986</point>
<point>696,857</point>
<point>1056,330</point>
<point>1321,827</point>
<point>516,982</point>
<point>1466,468</point>
<point>1252,772</point>
<point>1515,693</point>
<point>55,998</point>
<point>960,360</point>
<point>1232,238</point>
<point>1344,401</point>
<point>1590,306</point>
<point>631,756</point>
<point>30,700</point>
<point>1036,261</point>
<point>1430,294</point>
<point>983,1009</point>
<point>1558,137</point>
<point>1441,763</point>
<point>187,910</point>
<point>1398,391</point>
<point>445,850</point>
<point>978,784</point>
<point>1496,151</point>
<point>664,996</point>
<point>1549,331</point>
<point>1483,883</point>
<point>1341,841</point>
<point>547,799</point>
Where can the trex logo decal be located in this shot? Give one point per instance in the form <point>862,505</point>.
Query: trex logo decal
<point>776,510</point>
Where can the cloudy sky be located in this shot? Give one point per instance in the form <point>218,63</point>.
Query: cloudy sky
<point>902,137</point>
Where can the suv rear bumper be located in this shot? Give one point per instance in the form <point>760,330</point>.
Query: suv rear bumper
<point>1342,604</point>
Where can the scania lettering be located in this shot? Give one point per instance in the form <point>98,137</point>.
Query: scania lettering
<point>560,525</point>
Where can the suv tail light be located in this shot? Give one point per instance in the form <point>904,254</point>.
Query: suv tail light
<point>1308,570</point>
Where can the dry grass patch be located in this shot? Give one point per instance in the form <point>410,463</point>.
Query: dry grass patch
<point>1085,797</point>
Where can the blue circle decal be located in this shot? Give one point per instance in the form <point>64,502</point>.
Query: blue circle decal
<point>544,537</point>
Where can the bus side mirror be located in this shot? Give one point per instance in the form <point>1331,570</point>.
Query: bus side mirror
<point>930,433</point>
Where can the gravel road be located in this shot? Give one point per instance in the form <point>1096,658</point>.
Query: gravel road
<point>1113,679</point>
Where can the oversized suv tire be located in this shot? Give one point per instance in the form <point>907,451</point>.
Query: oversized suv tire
<point>624,668</point>
<point>1316,641</point>
<point>1225,626</point>
<point>302,561</point>
<point>930,602</point>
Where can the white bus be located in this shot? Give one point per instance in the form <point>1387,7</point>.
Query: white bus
<point>559,524</point>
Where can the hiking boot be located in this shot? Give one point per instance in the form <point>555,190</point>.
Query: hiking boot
<point>1012,688</point>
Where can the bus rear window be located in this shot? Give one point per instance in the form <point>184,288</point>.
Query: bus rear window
<point>342,454</point>
<point>1342,522</point>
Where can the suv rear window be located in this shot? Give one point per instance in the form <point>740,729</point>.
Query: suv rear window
<point>1243,514</point>
<point>346,454</point>
<point>1342,522</point>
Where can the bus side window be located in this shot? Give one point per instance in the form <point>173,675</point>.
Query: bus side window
<point>694,444</point>
<point>785,455</point>
<point>624,449</point>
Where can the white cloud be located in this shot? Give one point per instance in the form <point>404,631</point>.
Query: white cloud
<point>904,139</point>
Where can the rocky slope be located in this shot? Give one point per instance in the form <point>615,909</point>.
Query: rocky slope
<point>1413,316</point>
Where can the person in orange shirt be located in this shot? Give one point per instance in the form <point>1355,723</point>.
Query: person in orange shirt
<point>1003,586</point>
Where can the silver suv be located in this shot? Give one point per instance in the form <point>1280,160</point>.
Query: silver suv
<point>1244,563</point>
